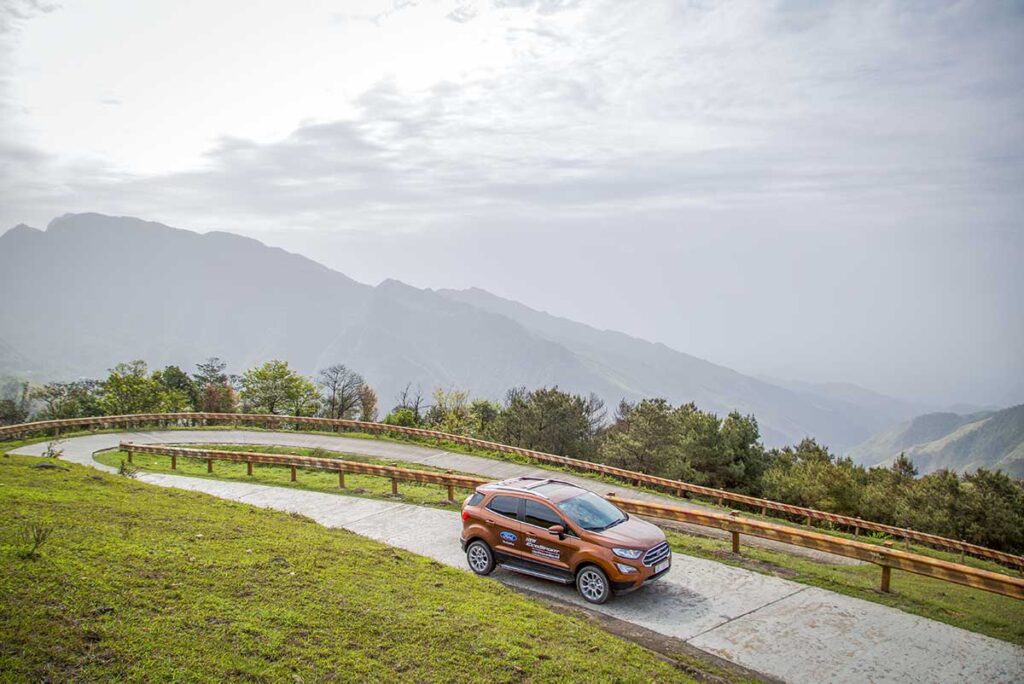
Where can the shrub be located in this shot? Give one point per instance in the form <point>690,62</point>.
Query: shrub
<point>127,470</point>
<point>31,538</point>
<point>53,450</point>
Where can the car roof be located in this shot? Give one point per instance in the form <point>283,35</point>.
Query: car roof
<point>542,487</point>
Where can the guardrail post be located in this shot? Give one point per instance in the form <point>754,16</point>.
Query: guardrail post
<point>248,468</point>
<point>293,473</point>
<point>451,488</point>
<point>341,479</point>
<point>129,452</point>
<point>735,535</point>
<point>209,465</point>
<point>962,550</point>
<point>886,571</point>
<point>394,486</point>
<point>174,462</point>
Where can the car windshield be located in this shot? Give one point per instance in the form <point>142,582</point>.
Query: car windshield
<point>591,512</point>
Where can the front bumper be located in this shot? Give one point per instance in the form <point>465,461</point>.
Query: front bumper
<point>623,584</point>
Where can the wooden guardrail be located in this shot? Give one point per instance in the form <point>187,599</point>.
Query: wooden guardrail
<point>884,557</point>
<point>678,487</point>
<point>394,473</point>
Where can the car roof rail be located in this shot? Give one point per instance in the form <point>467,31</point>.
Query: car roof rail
<point>515,484</point>
<point>551,480</point>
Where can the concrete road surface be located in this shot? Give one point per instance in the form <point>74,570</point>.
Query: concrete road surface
<point>478,465</point>
<point>780,628</point>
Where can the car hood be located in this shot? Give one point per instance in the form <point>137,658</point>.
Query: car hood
<point>634,533</point>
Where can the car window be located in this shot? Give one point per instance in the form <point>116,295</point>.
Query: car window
<point>591,512</point>
<point>507,506</point>
<point>475,499</point>
<point>535,513</point>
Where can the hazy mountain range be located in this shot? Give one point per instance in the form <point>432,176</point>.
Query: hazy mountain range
<point>92,290</point>
<point>988,439</point>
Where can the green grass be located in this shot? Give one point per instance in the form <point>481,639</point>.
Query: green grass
<point>979,611</point>
<point>369,486</point>
<point>140,583</point>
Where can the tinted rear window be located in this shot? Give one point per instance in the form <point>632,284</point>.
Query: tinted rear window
<point>475,499</point>
<point>540,515</point>
<point>507,506</point>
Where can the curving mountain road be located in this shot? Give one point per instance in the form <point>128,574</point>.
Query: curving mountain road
<point>477,465</point>
<point>783,629</point>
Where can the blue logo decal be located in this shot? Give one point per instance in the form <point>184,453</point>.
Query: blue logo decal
<point>508,537</point>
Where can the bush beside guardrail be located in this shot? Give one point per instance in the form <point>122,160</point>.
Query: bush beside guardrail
<point>676,486</point>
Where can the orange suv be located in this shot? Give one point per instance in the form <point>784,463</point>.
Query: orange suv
<point>561,532</point>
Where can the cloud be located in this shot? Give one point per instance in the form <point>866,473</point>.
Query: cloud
<point>611,109</point>
<point>13,13</point>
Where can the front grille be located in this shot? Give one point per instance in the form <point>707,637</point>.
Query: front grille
<point>656,554</point>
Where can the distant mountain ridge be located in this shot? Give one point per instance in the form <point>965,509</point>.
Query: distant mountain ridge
<point>964,443</point>
<point>93,290</point>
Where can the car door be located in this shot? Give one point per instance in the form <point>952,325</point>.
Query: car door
<point>502,516</point>
<point>540,545</point>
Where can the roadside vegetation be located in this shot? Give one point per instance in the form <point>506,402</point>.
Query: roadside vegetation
<point>979,611</point>
<point>138,583</point>
<point>652,436</point>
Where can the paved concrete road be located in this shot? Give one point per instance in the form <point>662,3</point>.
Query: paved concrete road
<point>783,629</point>
<point>478,465</point>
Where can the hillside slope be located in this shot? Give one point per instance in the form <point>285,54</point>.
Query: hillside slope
<point>964,443</point>
<point>201,589</point>
<point>93,290</point>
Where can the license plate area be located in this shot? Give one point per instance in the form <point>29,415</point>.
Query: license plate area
<point>662,566</point>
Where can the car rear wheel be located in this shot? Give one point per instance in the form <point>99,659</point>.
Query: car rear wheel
<point>593,584</point>
<point>481,560</point>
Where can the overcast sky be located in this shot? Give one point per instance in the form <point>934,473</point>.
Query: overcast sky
<point>812,190</point>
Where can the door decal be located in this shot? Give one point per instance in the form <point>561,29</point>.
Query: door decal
<point>543,551</point>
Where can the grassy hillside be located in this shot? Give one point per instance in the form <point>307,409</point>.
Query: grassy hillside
<point>993,440</point>
<point>141,583</point>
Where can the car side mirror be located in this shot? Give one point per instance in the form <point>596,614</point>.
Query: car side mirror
<point>557,530</point>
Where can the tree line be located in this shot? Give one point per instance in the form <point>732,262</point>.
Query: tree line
<point>273,387</point>
<point>651,436</point>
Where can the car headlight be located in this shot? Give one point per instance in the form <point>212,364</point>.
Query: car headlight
<point>625,569</point>
<point>631,554</point>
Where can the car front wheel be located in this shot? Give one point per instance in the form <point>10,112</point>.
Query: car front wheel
<point>593,584</point>
<point>481,560</point>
